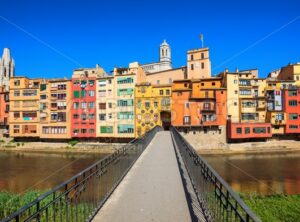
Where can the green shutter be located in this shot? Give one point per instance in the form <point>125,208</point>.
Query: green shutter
<point>102,129</point>
<point>76,94</point>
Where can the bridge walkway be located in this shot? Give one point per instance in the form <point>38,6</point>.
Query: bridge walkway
<point>152,190</point>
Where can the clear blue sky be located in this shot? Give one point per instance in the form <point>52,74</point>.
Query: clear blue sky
<point>51,38</point>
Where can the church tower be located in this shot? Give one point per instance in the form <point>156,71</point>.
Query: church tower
<point>7,68</point>
<point>165,56</point>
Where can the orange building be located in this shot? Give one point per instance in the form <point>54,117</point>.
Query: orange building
<point>199,105</point>
<point>4,111</point>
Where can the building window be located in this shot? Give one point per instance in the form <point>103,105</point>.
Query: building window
<point>192,57</point>
<point>16,129</point>
<point>279,116</point>
<point>158,81</point>
<point>125,80</point>
<point>202,55</point>
<point>292,102</point>
<point>75,105</point>
<point>83,105</point>
<point>247,130</point>
<point>213,83</point>
<point>147,105</point>
<point>128,91</point>
<point>128,102</point>
<point>83,131</point>
<point>167,92</point>
<point>106,129</point>
<point>292,93</point>
<point>165,101</point>
<point>155,104</point>
<point>258,130</point>
<point>245,92</point>
<point>16,115</point>
<point>239,130</point>
<point>75,116</point>
<point>76,94</point>
<point>91,116</point>
<point>161,92</point>
<point>187,105</point>
<point>102,106</point>
<point>91,131</point>
<point>125,128</point>
<point>17,82</point>
<point>125,115</point>
<point>293,116</point>
<point>248,116</point>
<point>91,93</point>
<point>102,117</point>
<point>293,126</point>
<point>91,105</point>
<point>110,105</point>
<point>192,66</point>
<point>83,117</point>
<point>202,65</point>
<point>186,120</point>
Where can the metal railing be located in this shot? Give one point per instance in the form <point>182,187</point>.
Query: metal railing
<point>216,197</point>
<point>81,197</point>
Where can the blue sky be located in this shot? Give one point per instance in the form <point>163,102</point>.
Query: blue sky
<point>51,38</point>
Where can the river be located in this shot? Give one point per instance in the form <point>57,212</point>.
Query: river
<point>259,173</point>
<point>23,171</point>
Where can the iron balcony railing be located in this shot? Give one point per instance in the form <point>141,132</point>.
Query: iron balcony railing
<point>81,197</point>
<point>217,199</point>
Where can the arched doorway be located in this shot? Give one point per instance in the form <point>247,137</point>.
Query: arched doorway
<point>165,117</point>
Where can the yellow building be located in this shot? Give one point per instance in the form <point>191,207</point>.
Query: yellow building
<point>245,96</point>
<point>152,107</point>
<point>24,114</point>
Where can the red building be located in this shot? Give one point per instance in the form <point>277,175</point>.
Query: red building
<point>236,131</point>
<point>4,111</point>
<point>83,119</point>
<point>291,106</point>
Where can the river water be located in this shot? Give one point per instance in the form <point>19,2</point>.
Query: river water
<point>23,171</point>
<point>259,173</point>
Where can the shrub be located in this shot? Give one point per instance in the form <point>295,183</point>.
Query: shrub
<point>73,142</point>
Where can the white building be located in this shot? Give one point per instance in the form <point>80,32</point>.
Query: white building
<point>164,63</point>
<point>7,68</point>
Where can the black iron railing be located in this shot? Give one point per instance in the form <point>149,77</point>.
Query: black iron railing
<point>80,197</point>
<point>218,200</point>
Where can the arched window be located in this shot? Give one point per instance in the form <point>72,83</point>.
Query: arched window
<point>162,52</point>
<point>166,52</point>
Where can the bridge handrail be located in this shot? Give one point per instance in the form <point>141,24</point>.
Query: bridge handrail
<point>205,180</point>
<point>61,193</point>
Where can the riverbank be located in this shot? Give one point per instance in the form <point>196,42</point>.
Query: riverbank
<point>75,147</point>
<point>275,207</point>
<point>250,147</point>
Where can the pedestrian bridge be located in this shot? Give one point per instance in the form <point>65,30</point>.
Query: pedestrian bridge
<point>158,177</point>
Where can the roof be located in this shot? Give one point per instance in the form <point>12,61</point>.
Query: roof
<point>168,70</point>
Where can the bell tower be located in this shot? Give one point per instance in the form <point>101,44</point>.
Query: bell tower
<point>165,52</point>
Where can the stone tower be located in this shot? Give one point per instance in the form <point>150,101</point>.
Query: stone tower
<point>165,53</point>
<point>7,68</point>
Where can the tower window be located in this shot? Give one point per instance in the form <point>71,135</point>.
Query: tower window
<point>162,52</point>
<point>192,66</point>
<point>202,55</point>
<point>166,52</point>
<point>192,57</point>
<point>202,65</point>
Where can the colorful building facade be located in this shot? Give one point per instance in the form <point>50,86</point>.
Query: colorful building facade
<point>152,107</point>
<point>291,106</point>
<point>4,111</point>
